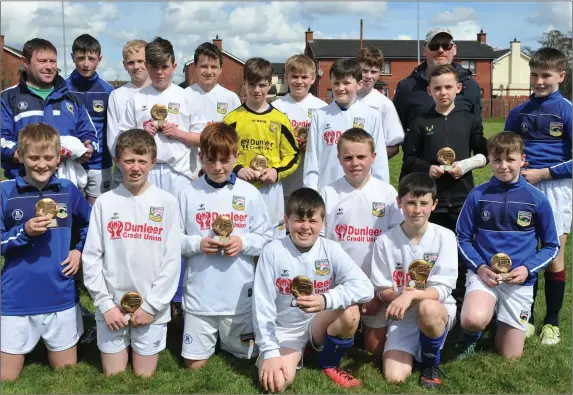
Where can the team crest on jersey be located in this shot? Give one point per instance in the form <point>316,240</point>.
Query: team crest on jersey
<point>524,316</point>
<point>222,108</point>
<point>322,267</point>
<point>62,210</point>
<point>173,108</point>
<point>310,110</point>
<point>378,209</point>
<point>431,257</point>
<point>238,202</point>
<point>524,127</point>
<point>524,218</point>
<point>98,105</point>
<point>485,215</point>
<point>274,127</point>
<point>156,214</point>
<point>281,225</point>
<point>358,123</point>
<point>70,107</point>
<point>22,105</point>
<point>17,214</point>
<point>556,129</point>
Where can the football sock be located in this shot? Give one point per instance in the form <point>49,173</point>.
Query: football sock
<point>333,351</point>
<point>531,318</point>
<point>431,348</point>
<point>471,337</point>
<point>554,293</point>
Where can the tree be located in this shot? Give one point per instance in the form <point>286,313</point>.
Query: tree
<point>556,39</point>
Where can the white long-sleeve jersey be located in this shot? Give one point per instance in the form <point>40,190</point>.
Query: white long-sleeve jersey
<point>299,114</point>
<point>219,284</point>
<point>393,130</point>
<point>332,272</point>
<point>133,244</point>
<point>115,111</point>
<point>355,218</point>
<point>321,165</point>
<point>393,254</point>
<point>181,110</point>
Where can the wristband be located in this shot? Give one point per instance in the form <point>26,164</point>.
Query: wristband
<point>324,297</point>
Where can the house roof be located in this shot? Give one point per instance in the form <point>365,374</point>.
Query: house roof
<point>278,68</point>
<point>393,49</point>
<point>224,53</point>
<point>14,51</point>
<point>505,52</point>
<point>500,52</point>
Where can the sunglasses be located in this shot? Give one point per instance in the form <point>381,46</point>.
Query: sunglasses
<point>436,46</point>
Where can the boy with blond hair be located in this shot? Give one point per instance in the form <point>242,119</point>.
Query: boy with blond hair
<point>132,260</point>
<point>133,53</point>
<point>372,62</point>
<point>268,151</point>
<point>544,123</point>
<point>298,105</point>
<point>39,215</point>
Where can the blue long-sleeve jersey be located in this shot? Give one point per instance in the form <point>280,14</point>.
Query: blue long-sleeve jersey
<point>32,278</point>
<point>94,93</point>
<point>509,218</point>
<point>62,110</point>
<point>544,124</point>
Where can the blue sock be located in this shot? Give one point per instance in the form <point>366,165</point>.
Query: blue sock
<point>179,294</point>
<point>471,337</point>
<point>333,351</point>
<point>431,348</point>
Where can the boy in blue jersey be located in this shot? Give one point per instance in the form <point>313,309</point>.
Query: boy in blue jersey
<point>93,91</point>
<point>498,231</point>
<point>544,124</point>
<point>39,298</point>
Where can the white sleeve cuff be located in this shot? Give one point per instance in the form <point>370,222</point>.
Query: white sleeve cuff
<point>272,354</point>
<point>106,305</point>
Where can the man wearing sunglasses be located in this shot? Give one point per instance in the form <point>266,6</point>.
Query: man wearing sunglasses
<point>412,100</point>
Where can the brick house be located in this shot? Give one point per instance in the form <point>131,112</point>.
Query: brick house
<point>12,62</point>
<point>400,58</point>
<point>232,75</point>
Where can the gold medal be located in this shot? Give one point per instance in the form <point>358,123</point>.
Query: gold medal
<point>131,301</point>
<point>223,227</point>
<point>419,271</point>
<point>47,206</point>
<point>301,286</point>
<point>301,132</point>
<point>159,114</point>
<point>446,156</point>
<point>501,264</point>
<point>258,164</point>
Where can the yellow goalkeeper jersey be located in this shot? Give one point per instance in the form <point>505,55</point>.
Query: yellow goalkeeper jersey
<point>268,133</point>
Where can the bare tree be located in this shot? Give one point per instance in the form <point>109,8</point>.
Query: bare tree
<point>558,40</point>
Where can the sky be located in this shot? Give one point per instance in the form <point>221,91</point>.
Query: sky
<point>273,30</point>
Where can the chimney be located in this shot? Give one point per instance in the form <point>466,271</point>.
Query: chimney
<point>481,37</point>
<point>361,35</point>
<point>514,55</point>
<point>218,42</point>
<point>309,35</point>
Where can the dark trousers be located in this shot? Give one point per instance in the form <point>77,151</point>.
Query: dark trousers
<point>448,220</point>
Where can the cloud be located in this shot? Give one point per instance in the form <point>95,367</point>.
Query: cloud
<point>459,14</point>
<point>403,37</point>
<point>553,16</point>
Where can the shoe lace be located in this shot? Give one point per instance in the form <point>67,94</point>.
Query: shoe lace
<point>433,372</point>
<point>342,373</point>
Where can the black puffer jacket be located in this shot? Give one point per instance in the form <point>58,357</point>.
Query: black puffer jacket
<point>459,130</point>
<point>412,99</point>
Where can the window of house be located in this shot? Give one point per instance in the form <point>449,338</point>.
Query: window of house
<point>386,67</point>
<point>385,91</point>
<point>280,79</point>
<point>470,65</point>
<point>329,93</point>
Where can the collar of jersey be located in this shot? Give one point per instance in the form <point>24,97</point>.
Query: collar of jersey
<point>258,113</point>
<point>232,180</point>
<point>552,96</point>
<point>345,108</point>
<point>508,185</point>
<point>53,183</point>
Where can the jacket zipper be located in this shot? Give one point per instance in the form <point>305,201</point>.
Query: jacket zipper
<point>504,205</point>
<point>447,145</point>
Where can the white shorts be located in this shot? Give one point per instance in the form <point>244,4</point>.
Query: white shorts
<point>235,331</point>
<point>274,199</point>
<point>375,321</point>
<point>145,340</point>
<point>404,335</point>
<point>559,194</point>
<point>164,177</point>
<point>117,178</point>
<point>513,302</point>
<point>60,331</point>
<point>99,181</point>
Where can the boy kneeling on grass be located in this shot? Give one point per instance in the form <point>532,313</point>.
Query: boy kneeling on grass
<point>307,290</point>
<point>40,212</point>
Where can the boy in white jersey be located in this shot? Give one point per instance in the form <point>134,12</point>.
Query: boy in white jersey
<point>134,63</point>
<point>414,269</point>
<point>359,208</point>
<point>371,62</point>
<point>220,268</point>
<point>215,100</point>
<point>298,105</point>
<point>324,312</point>
<point>166,112</point>
<point>133,252</point>
<point>327,125</point>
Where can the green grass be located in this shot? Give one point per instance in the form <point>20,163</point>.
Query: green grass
<point>542,369</point>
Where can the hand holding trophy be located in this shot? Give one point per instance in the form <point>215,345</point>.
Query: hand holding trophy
<point>258,164</point>
<point>419,271</point>
<point>300,286</point>
<point>446,156</point>
<point>130,302</point>
<point>47,206</point>
<point>501,265</point>
<point>159,114</point>
<point>223,227</point>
